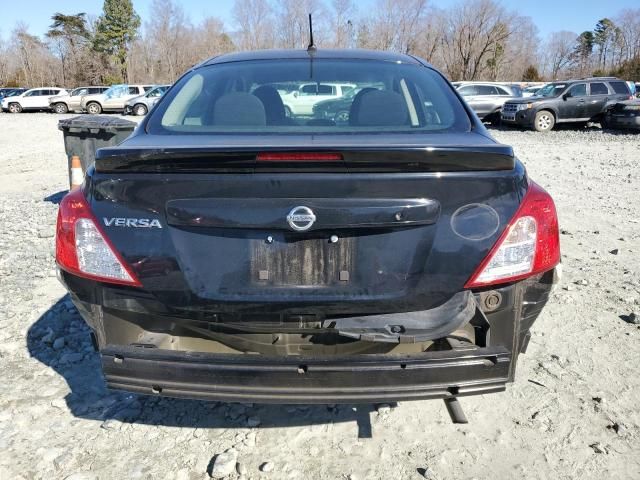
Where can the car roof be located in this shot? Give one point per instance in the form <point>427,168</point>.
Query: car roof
<point>589,79</point>
<point>291,54</point>
<point>46,88</point>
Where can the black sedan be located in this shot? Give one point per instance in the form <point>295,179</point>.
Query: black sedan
<point>623,115</point>
<point>226,251</point>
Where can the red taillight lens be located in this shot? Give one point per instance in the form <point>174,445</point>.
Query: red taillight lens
<point>529,245</point>
<point>83,249</point>
<point>299,157</point>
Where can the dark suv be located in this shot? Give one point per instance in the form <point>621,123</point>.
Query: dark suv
<point>228,251</point>
<point>581,100</point>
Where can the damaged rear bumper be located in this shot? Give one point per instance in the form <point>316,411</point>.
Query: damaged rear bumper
<point>352,379</point>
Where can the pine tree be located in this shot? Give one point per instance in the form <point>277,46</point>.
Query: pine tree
<point>116,30</point>
<point>531,74</point>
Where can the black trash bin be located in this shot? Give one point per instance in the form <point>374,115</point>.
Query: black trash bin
<point>85,134</point>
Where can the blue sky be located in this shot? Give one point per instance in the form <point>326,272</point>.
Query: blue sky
<point>548,15</point>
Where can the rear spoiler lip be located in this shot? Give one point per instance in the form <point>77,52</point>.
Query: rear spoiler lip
<point>243,159</point>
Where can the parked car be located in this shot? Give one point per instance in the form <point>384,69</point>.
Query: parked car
<point>224,251</point>
<point>141,104</point>
<point>487,99</point>
<point>34,99</point>
<point>11,92</point>
<point>113,99</point>
<point>337,109</point>
<point>72,101</point>
<point>623,115</point>
<point>582,100</point>
<point>302,100</point>
<point>530,91</point>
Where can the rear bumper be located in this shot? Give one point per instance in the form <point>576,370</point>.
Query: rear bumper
<point>361,379</point>
<point>624,121</point>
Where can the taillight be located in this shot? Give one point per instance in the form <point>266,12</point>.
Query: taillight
<point>529,245</point>
<point>82,248</point>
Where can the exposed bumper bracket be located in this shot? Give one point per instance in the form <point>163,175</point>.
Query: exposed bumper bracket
<point>410,327</point>
<point>296,379</point>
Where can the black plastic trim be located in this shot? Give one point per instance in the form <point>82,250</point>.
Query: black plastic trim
<point>354,379</point>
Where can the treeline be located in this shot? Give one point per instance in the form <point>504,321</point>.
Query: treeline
<point>471,40</point>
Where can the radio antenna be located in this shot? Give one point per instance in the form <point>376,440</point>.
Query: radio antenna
<point>311,49</point>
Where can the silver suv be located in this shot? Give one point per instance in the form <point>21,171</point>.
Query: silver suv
<point>141,104</point>
<point>71,102</point>
<point>487,99</point>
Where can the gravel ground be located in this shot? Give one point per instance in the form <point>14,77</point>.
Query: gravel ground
<point>572,413</point>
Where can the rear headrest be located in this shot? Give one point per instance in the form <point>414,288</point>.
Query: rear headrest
<point>379,108</point>
<point>273,106</point>
<point>239,109</point>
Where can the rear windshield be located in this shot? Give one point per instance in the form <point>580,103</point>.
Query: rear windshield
<point>304,96</point>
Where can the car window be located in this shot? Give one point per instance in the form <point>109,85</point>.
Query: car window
<point>620,88</point>
<point>502,91</point>
<point>146,88</point>
<point>578,90</point>
<point>247,97</point>
<point>79,91</point>
<point>468,90</point>
<point>156,92</point>
<point>346,90</point>
<point>133,91</point>
<point>326,90</point>
<point>486,90</point>
<point>309,89</point>
<point>599,89</point>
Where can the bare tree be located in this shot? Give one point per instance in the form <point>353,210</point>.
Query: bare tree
<point>168,31</point>
<point>628,22</point>
<point>255,20</point>
<point>476,33</point>
<point>428,40</point>
<point>343,22</point>
<point>37,65</point>
<point>395,25</point>
<point>560,53</point>
<point>292,20</point>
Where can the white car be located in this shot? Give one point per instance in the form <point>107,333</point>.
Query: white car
<point>114,99</point>
<point>302,100</point>
<point>34,99</point>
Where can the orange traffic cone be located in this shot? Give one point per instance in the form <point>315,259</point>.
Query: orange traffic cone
<point>77,176</point>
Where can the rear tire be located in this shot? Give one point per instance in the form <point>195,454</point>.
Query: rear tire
<point>60,108</point>
<point>544,121</point>
<point>140,110</point>
<point>495,119</point>
<point>94,108</point>
<point>15,108</point>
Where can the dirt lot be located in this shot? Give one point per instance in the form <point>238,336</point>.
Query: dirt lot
<point>574,411</point>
